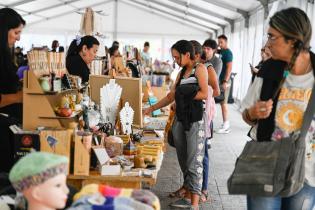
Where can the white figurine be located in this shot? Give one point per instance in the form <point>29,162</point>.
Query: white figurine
<point>126,118</point>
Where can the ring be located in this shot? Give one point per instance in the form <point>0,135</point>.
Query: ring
<point>263,109</point>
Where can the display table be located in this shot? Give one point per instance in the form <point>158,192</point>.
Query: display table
<point>119,181</point>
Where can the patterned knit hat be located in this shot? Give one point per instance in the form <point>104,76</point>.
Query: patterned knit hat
<point>36,168</point>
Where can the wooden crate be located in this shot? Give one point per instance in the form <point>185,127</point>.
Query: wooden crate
<point>62,146</point>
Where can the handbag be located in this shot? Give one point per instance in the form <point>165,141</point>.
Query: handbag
<point>169,127</point>
<point>275,168</point>
<point>220,98</point>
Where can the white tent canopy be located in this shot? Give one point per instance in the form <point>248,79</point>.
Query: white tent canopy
<point>161,22</point>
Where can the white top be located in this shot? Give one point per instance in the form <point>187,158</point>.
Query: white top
<point>292,102</point>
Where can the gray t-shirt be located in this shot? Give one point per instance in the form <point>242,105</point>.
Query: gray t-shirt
<point>291,106</point>
<point>216,63</point>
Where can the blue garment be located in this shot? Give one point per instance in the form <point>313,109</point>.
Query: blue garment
<point>303,200</point>
<point>226,57</point>
<point>20,71</point>
<point>205,173</point>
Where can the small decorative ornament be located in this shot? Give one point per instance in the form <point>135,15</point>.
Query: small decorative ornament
<point>126,118</point>
<point>78,40</point>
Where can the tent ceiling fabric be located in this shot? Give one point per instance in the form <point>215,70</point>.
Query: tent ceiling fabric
<point>208,15</point>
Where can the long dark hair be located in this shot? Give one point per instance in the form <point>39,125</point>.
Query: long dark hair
<point>197,47</point>
<point>78,43</point>
<point>183,47</point>
<point>9,19</point>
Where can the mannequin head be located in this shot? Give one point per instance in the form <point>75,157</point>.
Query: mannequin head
<point>41,178</point>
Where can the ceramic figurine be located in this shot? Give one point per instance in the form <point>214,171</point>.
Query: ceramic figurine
<point>126,118</point>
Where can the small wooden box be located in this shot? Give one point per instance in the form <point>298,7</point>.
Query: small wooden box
<point>81,158</point>
<point>56,141</point>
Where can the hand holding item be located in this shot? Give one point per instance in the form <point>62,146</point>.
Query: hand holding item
<point>261,109</point>
<point>147,111</point>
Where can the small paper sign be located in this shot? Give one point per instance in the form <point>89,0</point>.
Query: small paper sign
<point>101,155</point>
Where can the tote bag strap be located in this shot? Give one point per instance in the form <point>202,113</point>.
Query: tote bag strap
<point>308,116</point>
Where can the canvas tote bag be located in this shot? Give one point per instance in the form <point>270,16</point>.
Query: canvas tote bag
<point>273,168</point>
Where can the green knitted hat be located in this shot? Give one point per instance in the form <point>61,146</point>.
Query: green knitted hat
<point>35,168</point>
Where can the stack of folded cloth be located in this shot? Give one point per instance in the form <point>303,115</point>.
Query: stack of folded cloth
<point>102,197</point>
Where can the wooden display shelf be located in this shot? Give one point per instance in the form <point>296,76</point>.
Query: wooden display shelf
<point>120,181</point>
<point>79,181</point>
<point>38,106</point>
<point>77,114</point>
<point>54,92</point>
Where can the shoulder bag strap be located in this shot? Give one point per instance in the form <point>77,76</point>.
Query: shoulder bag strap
<point>308,116</point>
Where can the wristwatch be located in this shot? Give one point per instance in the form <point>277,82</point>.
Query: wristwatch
<point>224,81</point>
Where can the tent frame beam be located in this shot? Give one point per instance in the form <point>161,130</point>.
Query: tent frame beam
<point>176,16</point>
<point>164,14</point>
<point>19,3</point>
<point>185,12</point>
<point>67,13</point>
<point>205,11</point>
<point>50,7</point>
<point>228,7</point>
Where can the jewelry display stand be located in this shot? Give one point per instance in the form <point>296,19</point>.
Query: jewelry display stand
<point>131,93</point>
<point>109,100</point>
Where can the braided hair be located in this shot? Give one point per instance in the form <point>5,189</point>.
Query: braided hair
<point>293,24</point>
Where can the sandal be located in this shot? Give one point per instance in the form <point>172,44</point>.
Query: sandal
<point>204,197</point>
<point>180,193</point>
<point>182,203</point>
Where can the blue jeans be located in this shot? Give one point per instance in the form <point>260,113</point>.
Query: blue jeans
<point>303,200</point>
<point>205,173</point>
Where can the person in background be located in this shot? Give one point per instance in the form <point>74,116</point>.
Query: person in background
<point>265,55</point>
<point>225,82</point>
<point>115,43</point>
<point>113,52</point>
<point>61,49</point>
<point>209,50</point>
<point>274,116</point>
<point>146,57</point>
<point>190,90</point>
<point>19,57</point>
<point>54,45</point>
<point>11,95</point>
<point>81,52</point>
<point>213,91</point>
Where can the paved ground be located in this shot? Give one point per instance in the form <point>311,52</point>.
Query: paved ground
<point>225,148</point>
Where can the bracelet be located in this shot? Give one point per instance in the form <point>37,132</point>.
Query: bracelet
<point>247,116</point>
